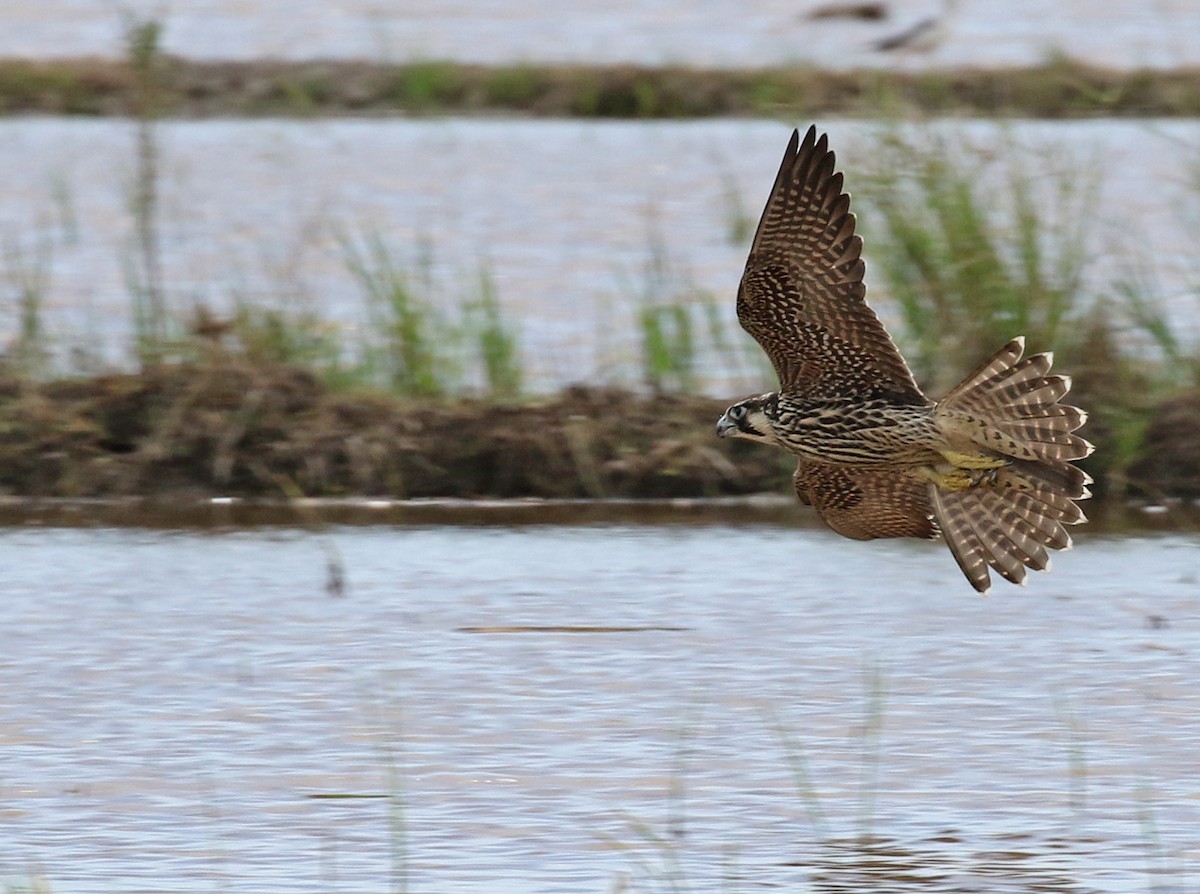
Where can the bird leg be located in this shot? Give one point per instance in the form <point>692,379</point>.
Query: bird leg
<point>953,480</point>
<point>973,460</point>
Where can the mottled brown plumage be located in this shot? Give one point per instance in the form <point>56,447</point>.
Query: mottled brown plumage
<point>989,465</point>
<point>802,295</point>
<point>863,504</point>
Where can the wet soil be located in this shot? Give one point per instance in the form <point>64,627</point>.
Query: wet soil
<point>229,427</point>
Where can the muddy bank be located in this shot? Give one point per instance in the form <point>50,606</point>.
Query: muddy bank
<point>1168,462</point>
<point>188,88</point>
<point>236,429</point>
<point>240,430</point>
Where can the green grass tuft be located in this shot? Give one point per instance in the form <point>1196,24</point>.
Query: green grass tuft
<point>499,349</point>
<point>664,321</point>
<point>976,247</point>
<point>27,274</point>
<point>417,345</point>
<point>408,354</point>
<point>143,265</point>
<point>972,253</point>
<point>514,86</point>
<point>427,86</point>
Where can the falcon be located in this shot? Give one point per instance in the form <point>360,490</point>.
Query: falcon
<point>988,467</point>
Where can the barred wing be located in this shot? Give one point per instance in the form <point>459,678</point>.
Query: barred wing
<point>802,295</point>
<point>863,504</point>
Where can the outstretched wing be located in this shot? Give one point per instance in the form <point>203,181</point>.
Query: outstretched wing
<point>802,295</point>
<point>863,504</point>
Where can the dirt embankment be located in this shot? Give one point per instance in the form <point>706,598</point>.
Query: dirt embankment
<point>1168,461</point>
<point>242,430</point>
<point>236,429</point>
<point>1061,88</point>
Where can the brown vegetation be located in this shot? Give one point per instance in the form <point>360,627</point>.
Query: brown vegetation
<point>184,87</point>
<point>232,427</point>
<point>1169,463</point>
<point>246,430</point>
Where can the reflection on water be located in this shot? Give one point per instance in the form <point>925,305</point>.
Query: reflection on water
<point>548,708</point>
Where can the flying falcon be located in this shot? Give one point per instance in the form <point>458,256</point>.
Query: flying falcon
<point>988,466</point>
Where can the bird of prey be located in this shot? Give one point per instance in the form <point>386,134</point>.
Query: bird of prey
<point>988,466</point>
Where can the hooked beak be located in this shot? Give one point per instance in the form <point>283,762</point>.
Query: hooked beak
<point>725,427</point>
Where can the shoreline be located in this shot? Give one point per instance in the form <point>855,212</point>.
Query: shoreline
<point>234,430</point>
<point>319,513</point>
<point>169,86</point>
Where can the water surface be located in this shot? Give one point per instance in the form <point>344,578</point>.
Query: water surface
<point>575,222</point>
<point>1121,33</point>
<point>176,708</point>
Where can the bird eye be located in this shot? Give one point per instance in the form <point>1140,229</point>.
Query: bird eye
<point>737,413</point>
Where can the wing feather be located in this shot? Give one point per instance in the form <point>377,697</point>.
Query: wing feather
<point>863,504</point>
<point>802,294</point>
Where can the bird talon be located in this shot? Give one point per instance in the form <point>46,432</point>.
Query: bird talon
<point>958,480</point>
<point>955,480</point>
<point>983,477</point>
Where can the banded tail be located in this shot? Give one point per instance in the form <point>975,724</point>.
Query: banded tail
<point>1010,406</point>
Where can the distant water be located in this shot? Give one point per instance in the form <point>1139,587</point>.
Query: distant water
<point>1123,33</point>
<point>552,708</point>
<point>575,221</point>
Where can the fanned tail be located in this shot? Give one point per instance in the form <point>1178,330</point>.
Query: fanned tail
<point>1009,407</point>
<point>1007,526</point>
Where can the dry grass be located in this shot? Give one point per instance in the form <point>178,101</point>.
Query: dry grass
<point>235,427</point>
<point>228,426</point>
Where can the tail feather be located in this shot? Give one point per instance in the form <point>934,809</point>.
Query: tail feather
<point>1024,378</point>
<point>953,519</point>
<point>1009,406</point>
<point>1003,359</point>
<point>1025,535</point>
<point>1029,392</point>
<point>1005,531</point>
<point>1003,553</point>
<point>976,539</point>
<point>1054,506</point>
<point>1045,480</point>
<point>1044,524</point>
<point>1047,443</point>
<point>1009,409</point>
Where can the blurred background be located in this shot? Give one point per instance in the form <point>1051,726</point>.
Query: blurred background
<point>1124,34</point>
<point>270,271</point>
<point>595,180</point>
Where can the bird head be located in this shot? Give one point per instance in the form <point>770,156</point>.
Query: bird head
<point>750,419</point>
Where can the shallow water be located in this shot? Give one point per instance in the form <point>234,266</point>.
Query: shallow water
<point>178,710</point>
<point>1122,33</point>
<point>569,217</point>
